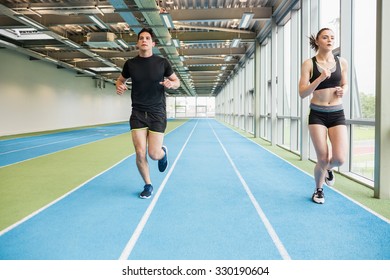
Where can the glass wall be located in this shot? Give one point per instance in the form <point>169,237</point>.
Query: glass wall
<point>330,18</point>
<point>363,88</point>
<point>205,107</point>
<point>288,63</point>
<point>191,107</point>
<point>279,61</point>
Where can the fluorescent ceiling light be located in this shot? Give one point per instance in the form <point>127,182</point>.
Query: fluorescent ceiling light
<point>228,58</point>
<point>176,43</point>
<point>100,59</point>
<point>51,59</point>
<point>72,44</point>
<point>245,20</point>
<point>31,22</point>
<point>27,33</point>
<point>123,43</point>
<point>104,69</point>
<point>169,2</point>
<point>223,67</point>
<point>167,20</point>
<point>235,43</point>
<point>98,22</point>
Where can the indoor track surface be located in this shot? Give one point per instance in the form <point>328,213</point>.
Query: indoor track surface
<point>223,197</point>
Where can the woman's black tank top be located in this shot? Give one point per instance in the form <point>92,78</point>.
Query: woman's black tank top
<point>334,79</point>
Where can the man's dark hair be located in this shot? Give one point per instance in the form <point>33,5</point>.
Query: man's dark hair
<point>149,30</point>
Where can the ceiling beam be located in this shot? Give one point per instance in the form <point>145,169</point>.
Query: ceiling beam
<point>209,51</point>
<point>211,36</point>
<point>219,14</point>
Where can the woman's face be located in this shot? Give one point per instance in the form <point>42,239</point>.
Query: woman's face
<point>325,40</point>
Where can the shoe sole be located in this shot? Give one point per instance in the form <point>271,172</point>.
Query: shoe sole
<point>330,183</point>
<point>318,202</point>
<point>146,197</point>
<point>166,153</point>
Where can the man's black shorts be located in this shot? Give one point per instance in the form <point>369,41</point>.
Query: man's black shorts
<point>328,119</point>
<point>156,122</point>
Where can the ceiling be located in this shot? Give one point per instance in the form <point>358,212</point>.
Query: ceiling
<point>64,32</point>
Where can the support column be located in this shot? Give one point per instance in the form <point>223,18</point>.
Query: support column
<point>274,83</point>
<point>305,54</point>
<point>382,112</point>
<point>257,81</point>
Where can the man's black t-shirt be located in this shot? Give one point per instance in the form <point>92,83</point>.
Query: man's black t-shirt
<point>146,73</point>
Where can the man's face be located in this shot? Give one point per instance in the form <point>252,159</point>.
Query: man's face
<point>145,41</point>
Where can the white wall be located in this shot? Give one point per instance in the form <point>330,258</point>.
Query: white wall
<point>36,96</point>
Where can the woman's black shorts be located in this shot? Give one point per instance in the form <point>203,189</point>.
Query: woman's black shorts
<point>328,119</point>
<point>156,122</point>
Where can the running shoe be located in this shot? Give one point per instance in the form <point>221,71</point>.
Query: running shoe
<point>163,163</point>
<point>147,192</point>
<point>330,178</point>
<point>318,196</point>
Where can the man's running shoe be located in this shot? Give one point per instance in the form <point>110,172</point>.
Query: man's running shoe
<point>318,196</point>
<point>163,163</point>
<point>330,178</point>
<point>147,192</point>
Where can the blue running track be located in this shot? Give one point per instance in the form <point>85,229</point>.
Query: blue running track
<point>223,197</point>
<point>16,150</point>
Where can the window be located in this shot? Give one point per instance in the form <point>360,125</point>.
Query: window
<point>330,18</point>
<point>364,55</point>
<point>362,88</point>
<point>189,107</point>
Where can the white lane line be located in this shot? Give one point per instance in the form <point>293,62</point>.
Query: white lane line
<point>272,233</point>
<point>59,151</point>
<point>65,195</point>
<point>30,139</point>
<point>58,199</point>
<point>47,144</point>
<point>137,233</point>
<point>311,175</point>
